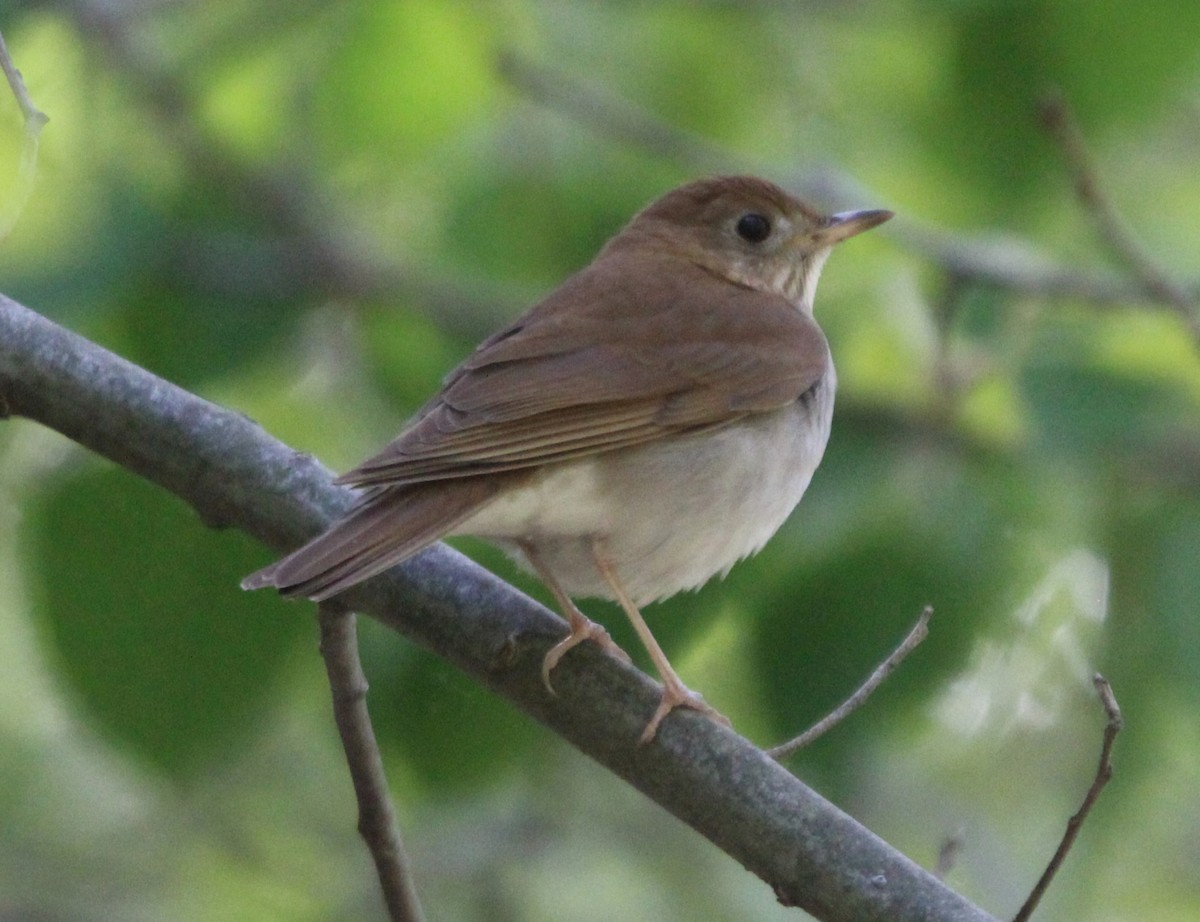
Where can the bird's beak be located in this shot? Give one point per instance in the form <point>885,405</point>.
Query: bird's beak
<point>846,224</point>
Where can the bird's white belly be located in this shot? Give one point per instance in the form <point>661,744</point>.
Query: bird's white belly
<point>671,514</point>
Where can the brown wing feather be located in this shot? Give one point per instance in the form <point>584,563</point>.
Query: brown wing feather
<point>620,372</point>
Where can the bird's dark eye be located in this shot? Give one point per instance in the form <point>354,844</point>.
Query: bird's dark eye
<point>753,227</point>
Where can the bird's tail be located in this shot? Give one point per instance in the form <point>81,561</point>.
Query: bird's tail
<point>387,527</point>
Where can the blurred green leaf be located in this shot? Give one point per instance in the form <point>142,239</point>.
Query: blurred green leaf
<point>408,354</point>
<point>1080,409</point>
<point>454,736</point>
<point>512,226</point>
<point>404,76</point>
<point>1175,590</point>
<point>1114,63</point>
<point>730,96</point>
<point>141,606</point>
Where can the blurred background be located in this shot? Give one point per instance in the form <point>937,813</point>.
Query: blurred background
<point>309,212</point>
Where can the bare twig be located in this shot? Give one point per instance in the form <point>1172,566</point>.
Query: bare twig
<point>27,167</point>
<point>919,632</point>
<point>1103,773</point>
<point>376,816</point>
<point>29,111</point>
<point>1058,120</point>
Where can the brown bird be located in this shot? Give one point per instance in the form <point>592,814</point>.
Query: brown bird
<point>648,424</point>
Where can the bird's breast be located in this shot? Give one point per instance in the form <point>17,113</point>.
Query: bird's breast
<point>672,513</point>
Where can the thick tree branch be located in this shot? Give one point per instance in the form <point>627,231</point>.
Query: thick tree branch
<point>812,854</point>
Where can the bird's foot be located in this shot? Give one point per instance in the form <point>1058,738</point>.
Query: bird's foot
<point>677,695</point>
<point>581,629</point>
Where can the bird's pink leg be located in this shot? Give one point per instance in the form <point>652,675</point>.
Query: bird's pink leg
<point>581,627</point>
<point>675,693</point>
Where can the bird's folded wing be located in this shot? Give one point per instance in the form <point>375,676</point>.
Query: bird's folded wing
<point>617,373</point>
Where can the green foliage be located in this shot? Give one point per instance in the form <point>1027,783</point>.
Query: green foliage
<point>147,625</point>
<point>404,77</point>
<point>1115,70</point>
<point>480,224</point>
<point>310,212</point>
<point>454,738</point>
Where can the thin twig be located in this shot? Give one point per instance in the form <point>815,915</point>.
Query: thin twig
<point>29,111</point>
<point>27,167</point>
<point>918,633</point>
<point>376,816</point>
<point>1103,773</point>
<point>1060,123</point>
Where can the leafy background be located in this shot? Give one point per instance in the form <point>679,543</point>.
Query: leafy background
<point>310,211</point>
